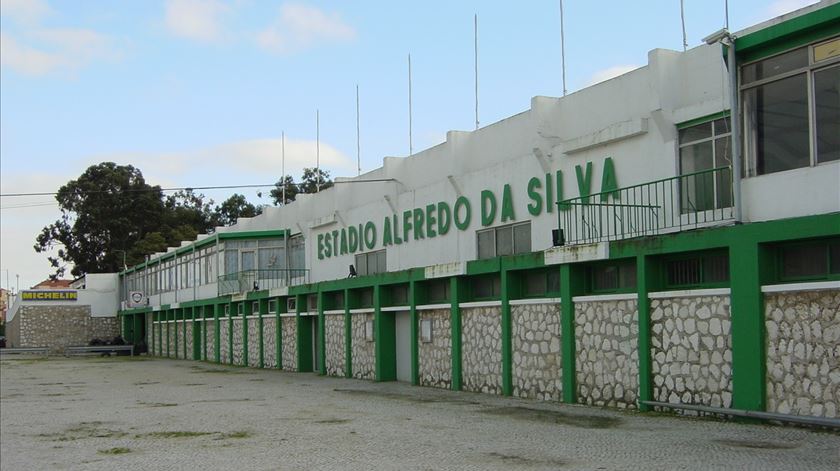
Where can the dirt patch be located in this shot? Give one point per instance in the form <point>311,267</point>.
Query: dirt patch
<point>83,431</point>
<point>174,434</point>
<point>521,461</point>
<point>332,421</point>
<point>757,444</point>
<point>115,451</point>
<point>407,397</point>
<point>554,417</point>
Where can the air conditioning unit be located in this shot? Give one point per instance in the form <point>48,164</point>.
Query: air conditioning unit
<point>291,304</point>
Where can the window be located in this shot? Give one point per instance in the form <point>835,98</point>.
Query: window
<point>399,295</point>
<point>426,330</point>
<point>336,299</point>
<point>312,302</point>
<point>791,107</point>
<point>438,290</point>
<point>504,240</point>
<point>613,277</point>
<point>697,269</point>
<point>537,283</point>
<point>486,286</point>
<point>297,254</point>
<point>366,297</point>
<point>809,261</point>
<point>371,263</point>
<point>227,310</point>
<point>272,306</point>
<point>705,146</point>
<point>255,308</point>
<point>240,309</point>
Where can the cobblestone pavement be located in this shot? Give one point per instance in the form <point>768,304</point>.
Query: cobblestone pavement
<point>122,413</point>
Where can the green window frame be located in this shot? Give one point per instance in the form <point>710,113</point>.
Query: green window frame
<point>486,287</point>
<point>696,270</point>
<point>438,290</point>
<point>539,283</point>
<point>612,277</point>
<point>821,256</point>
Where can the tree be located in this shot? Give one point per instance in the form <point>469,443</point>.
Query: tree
<point>234,208</point>
<point>186,215</point>
<point>104,213</point>
<point>311,179</point>
<point>291,191</point>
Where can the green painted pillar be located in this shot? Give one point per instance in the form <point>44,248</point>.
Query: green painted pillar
<point>282,307</point>
<point>455,290</point>
<point>322,335</point>
<point>263,310</point>
<point>247,310</point>
<point>384,327</point>
<point>415,334</point>
<point>304,336</point>
<point>645,278</point>
<point>507,342</point>
<point>169,317</point>
<point>747,262</point>
<point>185,316</point>
<point>217,310</point>
<point>232,311</point>
<point>348,335</point>
<point>571,284</point>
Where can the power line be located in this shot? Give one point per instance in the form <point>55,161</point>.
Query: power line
<point>185,188</point>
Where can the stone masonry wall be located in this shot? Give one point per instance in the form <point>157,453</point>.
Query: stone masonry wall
<point>537,365</point>
<point>58,327</point>
<point>269,342</point>
<point>210,340</point>
<point>363,352</point>
<point>224,349</point>
<point>803,352</point>
<point>289,343</point>
<point>607,356</point>
<point>691,350</point>
<point>334,333</point>
<point>188,337</point>
<point>434,359</point>
<point>254,343</point>
<point>170,339</point>
<point>149,333</point>
<point>238,342</point>
<point>13,332</point>
<point>481,349</point>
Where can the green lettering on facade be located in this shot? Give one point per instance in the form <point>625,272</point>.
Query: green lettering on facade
<point>584,181</point>
<point>397,239</point>
<point>320,246</point>
<point>507,204</point>
<point>549,193</point>
<point>536,204</point>
<point>444,217</point>
<point>387,236</point>
<point>407,215</point>
<point>353,235</point>
<point>558,177</point>
<point>430,220</point>
<point>488,207</point>
<point>370,235</point>
<point>343,241</point>
<point>418,224</point>
<point>462,221</point>
<point>609,184</point>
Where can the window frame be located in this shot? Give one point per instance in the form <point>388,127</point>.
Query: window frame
<point>701,257</point>
<point>495,232</point>
<point>750,159</point>
<point>618,264</point>
<point>779,261</point>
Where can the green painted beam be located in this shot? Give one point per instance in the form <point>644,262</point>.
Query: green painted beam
<point>384,324</point>
<point>413,292</point>
<point>507,341</point>
<point>322,335</point>
<point>217,311</point>
<point>571,281</point>
<point>263,310</point>
<point>456,292</point>
<point>247,310</point>
<point>304,337</point>
<point>348,333</point>
<point>644,278</point>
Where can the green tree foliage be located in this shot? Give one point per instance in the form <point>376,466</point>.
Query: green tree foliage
<point>291,191</point>
<point>234,208</point>
<point>104,212</point>
<point>311,179</point>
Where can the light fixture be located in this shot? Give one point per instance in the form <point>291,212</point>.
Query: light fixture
<point>716,37</point>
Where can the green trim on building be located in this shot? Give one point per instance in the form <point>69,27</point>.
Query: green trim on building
<point>789,34</point>
<point>456,292</point>
<point>703,119</point>
<point>413,291</point>
<point>322,335</point>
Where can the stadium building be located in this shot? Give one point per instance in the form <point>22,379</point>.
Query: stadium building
<point>670,236</point>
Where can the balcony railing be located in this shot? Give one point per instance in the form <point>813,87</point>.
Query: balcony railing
<point>683,202</point>
<point>255,280</point>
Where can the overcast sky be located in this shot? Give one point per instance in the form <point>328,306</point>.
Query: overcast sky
<point>197,93</point>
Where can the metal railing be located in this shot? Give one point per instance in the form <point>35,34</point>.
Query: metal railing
<point>254,280</point>
<point>672,204</point>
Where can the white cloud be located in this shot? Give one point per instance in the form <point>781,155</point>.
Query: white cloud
<point>58,50</point>
<point>780,7</point>
<point>300,26</point>
<point>25,11</point>
<point>608,73</point>
<point>199,20</point>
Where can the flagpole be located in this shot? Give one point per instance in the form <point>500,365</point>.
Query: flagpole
<point>283,163</point>
<point>317,151</point>
<point>410,143</point>
<point>358,140</point>
<point>475,31</point>
<point>562,49</point>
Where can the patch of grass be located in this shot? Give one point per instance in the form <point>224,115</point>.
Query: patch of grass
<point>119,450</point>
<point>157,404</point>
<point>235,435</point>
<point>82,431</point>
<point>757,444</point>
<point>554,417</point>
<point>198,369</point>
<point>173,434</point>
<point>332,421</point>
<point>145,383</point>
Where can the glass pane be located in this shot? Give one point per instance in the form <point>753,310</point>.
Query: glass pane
<point>361,264</point>
<point>271,259</point>
<point>534,283</point>
<point>695,133</point>
<point>722,126</point>
<point>231,261</point>
<point>684,272</point>
<point>605,278</point>
<point>827,101</point>
<point>827,50</point>
<point>723,178</point>
<point>804,261</point>
<point>627,276</point>
<point>522,238</point>
<point>776,134</point>
<point>775,65</point>
<point>716,268</point>
<point>249,261</point>
<point>697,191</point>
<point>834,249</point>
<point>486,244</point>
<point>504,241</point>
<point>381,262</point>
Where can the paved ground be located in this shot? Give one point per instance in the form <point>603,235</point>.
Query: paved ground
<point>121,413</point>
